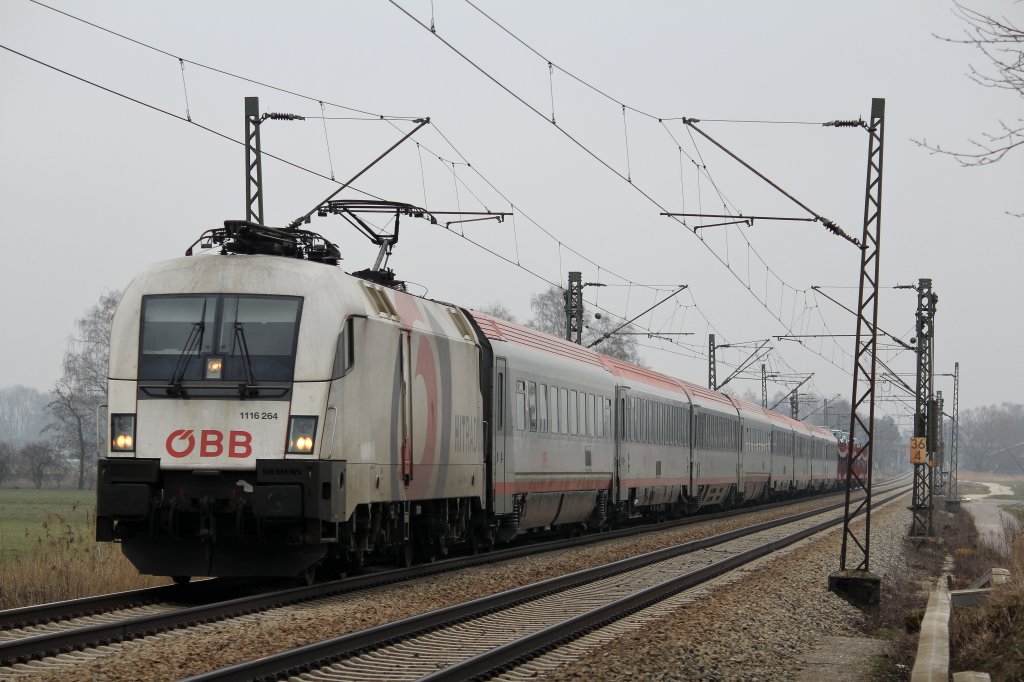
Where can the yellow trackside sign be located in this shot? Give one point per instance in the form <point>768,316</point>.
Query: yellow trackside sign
<point>918,454</point>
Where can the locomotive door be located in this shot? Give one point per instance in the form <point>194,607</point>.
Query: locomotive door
<point>502,499</point>
<point>405,410</point>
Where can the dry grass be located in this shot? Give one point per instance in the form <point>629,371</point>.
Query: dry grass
<point>905,587</point>
<point>990,637</point>
<point>66,563</point>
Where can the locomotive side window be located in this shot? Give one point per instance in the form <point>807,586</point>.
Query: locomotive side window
<point>345,355</point>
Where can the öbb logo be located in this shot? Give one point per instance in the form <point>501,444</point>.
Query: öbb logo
<point>182,443</point>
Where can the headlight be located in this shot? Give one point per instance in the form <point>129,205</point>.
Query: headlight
<point>301,435</point>
<point>122,432</point>
<point>214,366</point>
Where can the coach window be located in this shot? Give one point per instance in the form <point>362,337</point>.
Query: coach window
<point>542,408</point>
<point>591,430</point>
<point>662,424</point>
<point>531,404</point>
<point>572,413</point>
<point>520,405</point>
<point>582,398</point>
<point>563,410</point>
<point>553,406</point>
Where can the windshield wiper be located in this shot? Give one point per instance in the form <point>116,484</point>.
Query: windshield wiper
<point>249,387</point>
<point>195,338</point>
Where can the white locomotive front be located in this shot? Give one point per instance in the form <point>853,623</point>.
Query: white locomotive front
<point>269,414</point>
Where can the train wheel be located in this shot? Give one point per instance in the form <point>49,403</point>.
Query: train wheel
<point>403,554</point>
<point>307,577</point>
<point>181,579</point>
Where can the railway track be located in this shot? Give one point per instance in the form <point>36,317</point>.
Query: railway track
<point>487,635</point>
<point>36,632</point>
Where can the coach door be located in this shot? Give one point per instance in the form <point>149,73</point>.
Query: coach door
<point>502,499</point>
<point>621,396</point>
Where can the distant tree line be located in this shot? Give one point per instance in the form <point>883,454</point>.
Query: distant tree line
<point>992,438</point>
<point>45,437</point>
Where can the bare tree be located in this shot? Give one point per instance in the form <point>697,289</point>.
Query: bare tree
<point>39,461</point>
<point>620,343</point>
<point>549,312</point>
<point>549,317</point>
<point>23,414</point>
<point>1001,42</point>
<point>7,461</point>
<point>499,310</point>
<point>82,387</point>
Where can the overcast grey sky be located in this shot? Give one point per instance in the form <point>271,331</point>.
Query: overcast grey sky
<point>93,188</point>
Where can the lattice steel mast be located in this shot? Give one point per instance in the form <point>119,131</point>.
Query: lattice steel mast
<point>712,363</point>
<point>854,580</point>
<point>253,162</point>
<point>574,308</point>
<point>921,504</point>
<point>953,494</point>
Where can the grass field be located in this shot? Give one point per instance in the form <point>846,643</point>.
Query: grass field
<point>47,550</point>
<point>29,517</point>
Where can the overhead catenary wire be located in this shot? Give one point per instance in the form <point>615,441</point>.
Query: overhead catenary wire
<point>266,153</point>
<point>179,117</point>
<point>579,144</point>
<point>225,72</point>
<point>830,225</point>
<point>297,166</point>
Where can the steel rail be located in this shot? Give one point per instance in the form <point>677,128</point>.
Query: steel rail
<point>310,657</point>
<point>27,616</point>
<point>41,646</point>
<point>528,647</point>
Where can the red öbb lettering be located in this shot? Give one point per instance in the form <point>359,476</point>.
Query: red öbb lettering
<point>180,434</point>
<point>182,443</point>
<point>239,444</point>
<point>211,443</point>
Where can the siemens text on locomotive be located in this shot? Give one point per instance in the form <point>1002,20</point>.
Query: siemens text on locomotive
<point>271,415</point>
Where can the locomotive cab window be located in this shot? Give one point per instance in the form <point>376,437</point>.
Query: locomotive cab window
<point>229,337</point>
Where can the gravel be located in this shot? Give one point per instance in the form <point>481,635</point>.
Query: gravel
<point>793,609</point>
<point>731,636</point>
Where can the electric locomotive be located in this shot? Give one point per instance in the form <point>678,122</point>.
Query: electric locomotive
<point>271,414</point>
